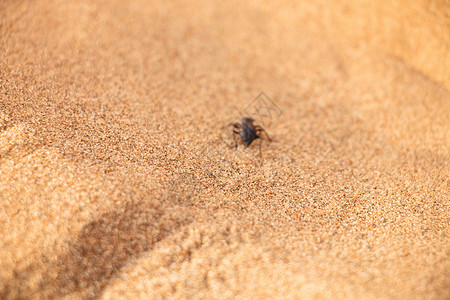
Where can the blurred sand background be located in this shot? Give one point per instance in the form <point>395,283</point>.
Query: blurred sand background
<point>114,181</point>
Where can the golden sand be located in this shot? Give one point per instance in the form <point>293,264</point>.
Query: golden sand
<point>116,181</point>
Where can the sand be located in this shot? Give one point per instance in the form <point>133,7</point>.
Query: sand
<point>116,179</point>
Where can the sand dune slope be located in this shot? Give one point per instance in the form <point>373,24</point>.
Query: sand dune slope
<point>116,179</point>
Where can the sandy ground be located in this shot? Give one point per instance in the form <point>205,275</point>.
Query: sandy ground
<point>116,179</point>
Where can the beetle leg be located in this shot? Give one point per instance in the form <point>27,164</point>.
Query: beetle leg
<point>260,144</point>
<point>235,141</point>
<point>235,125</point>
<point>260,129</point>
<point>234,137</point>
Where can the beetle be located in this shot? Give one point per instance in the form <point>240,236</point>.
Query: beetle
<point>248,132</point>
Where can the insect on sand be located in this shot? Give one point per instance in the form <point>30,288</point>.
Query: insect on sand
<point>248,132</point>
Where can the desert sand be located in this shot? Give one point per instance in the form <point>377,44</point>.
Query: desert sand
<point>117,179</point>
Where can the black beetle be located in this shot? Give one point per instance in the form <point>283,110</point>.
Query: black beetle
<point>248,132</point>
